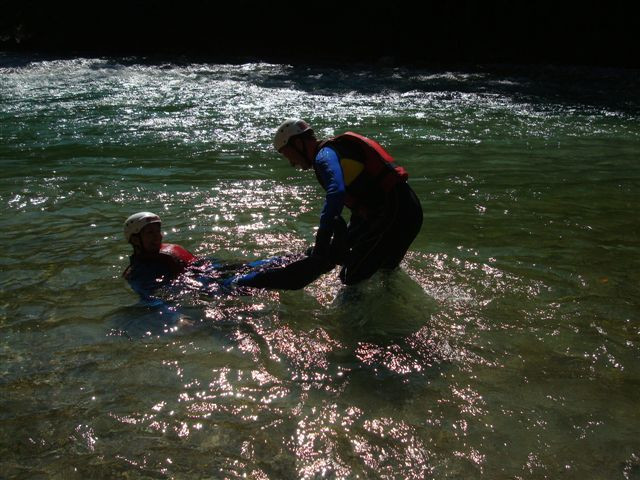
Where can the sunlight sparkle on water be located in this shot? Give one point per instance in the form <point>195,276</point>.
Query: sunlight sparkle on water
<point>504,347</point>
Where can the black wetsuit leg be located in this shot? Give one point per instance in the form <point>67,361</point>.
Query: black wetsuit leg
<point>408,225</point>
<point>383,241</point>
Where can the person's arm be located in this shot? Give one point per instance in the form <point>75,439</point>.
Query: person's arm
<point>328,166</point>
<point>291,273</point>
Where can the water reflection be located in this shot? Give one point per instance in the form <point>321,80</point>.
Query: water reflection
<point>323,373</point>
<point>505,348</point>
<point>354,353</point>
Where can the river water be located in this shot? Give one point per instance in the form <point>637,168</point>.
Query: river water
<point>507,346</point>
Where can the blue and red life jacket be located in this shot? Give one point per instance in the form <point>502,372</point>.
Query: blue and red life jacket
<point>369,170</point>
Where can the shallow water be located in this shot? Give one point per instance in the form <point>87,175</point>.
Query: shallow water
<point>507,346</point>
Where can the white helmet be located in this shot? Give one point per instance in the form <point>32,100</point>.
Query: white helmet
<point>289,128</point>
<point>137,222</point>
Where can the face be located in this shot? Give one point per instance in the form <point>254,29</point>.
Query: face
<point>150,238</point>
<point>297,152</point>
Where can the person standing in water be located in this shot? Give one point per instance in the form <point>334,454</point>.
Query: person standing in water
<point>358,173</point>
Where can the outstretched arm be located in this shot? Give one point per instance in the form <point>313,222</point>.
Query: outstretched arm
<point>293,276</point>
<point>294,273</point>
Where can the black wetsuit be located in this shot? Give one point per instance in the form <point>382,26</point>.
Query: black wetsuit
<point>381,240</point>
<point>147,274</point>
<point>386,215</point>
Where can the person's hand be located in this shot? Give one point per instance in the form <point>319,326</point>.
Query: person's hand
<point>321,247</point>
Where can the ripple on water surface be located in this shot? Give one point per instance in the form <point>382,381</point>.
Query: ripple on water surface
<point>506,346</point>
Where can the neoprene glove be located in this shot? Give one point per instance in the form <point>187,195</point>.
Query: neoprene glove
<point>321,248</point>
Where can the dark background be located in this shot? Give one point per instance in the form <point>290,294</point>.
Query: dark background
<point>394,32</point>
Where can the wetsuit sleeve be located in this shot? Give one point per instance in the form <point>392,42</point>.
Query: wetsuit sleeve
<point>295,275</point>
<point>327,165</point>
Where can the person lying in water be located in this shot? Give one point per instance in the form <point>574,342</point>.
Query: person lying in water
<point>155,264</point>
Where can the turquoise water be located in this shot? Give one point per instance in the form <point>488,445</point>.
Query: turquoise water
<point>508,345</point>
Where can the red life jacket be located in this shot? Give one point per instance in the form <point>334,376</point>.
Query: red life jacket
<point>171,257</point>
<point>177,252</point>
<point>379,174</point>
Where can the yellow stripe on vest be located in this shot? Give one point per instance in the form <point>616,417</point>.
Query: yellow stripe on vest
<point>350,169</point>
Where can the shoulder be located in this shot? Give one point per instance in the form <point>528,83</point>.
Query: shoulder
<point>327,155</point>
<point>137,267</point>
<point>130,268</point>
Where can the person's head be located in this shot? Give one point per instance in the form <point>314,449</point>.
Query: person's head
<point>296,141</point>
<point>142,230</point>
